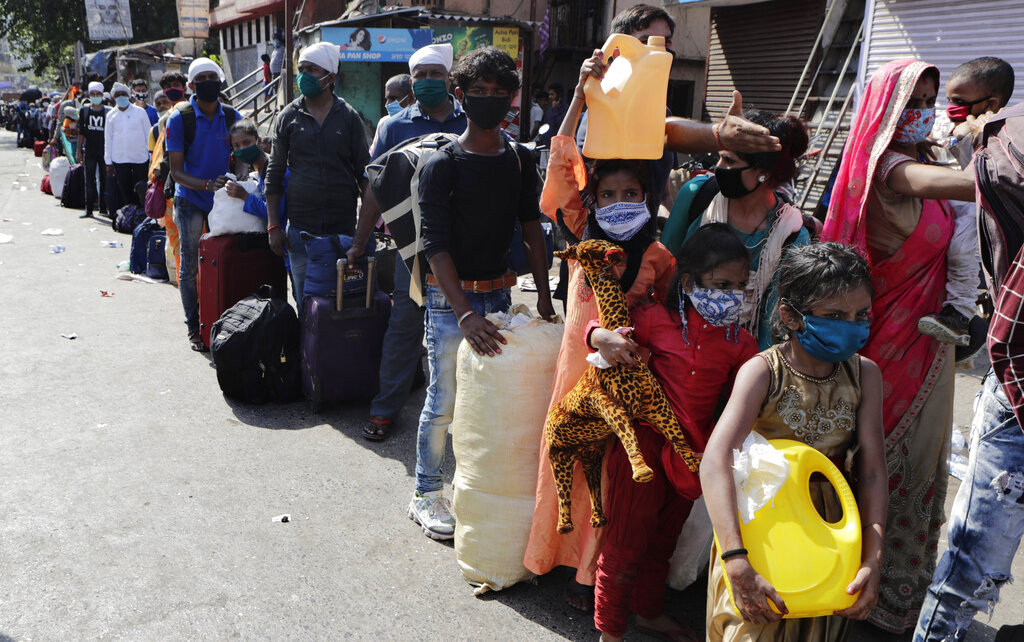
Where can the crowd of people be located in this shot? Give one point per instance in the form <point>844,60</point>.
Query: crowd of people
<point>752,316</point>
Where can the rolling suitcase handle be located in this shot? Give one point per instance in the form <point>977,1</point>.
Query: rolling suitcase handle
<point>371,265</point>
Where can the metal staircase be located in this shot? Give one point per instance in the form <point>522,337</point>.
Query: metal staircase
<point>824,98</point>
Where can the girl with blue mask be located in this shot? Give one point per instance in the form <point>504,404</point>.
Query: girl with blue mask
<point>695,346</point>
<point>812,388</point>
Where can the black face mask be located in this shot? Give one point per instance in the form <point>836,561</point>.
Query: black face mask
<point>486,111</point>
<point>730,181</point>
<point>174,94</point>
<point>208,90</point>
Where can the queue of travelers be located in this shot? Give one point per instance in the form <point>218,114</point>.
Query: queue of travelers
<point>839,334</point>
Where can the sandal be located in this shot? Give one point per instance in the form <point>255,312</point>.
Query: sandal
<point>377,429</point>
<point>196,343</point>
<point>579,596</point>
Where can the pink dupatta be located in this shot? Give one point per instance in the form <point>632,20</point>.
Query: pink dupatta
<point>909,284</point>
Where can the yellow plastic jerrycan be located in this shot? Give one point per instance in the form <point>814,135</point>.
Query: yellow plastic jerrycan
<point>627,107</point>
<point>809,561</point>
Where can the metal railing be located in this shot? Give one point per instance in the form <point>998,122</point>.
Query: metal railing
<point>253,100</point>
<point>230,88</point>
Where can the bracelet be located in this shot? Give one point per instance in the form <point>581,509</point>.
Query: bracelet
<point>733,553</point>
<point>272,228</point>
<point>206,185</point>
<point>718,137</point>
<point>463,317</point>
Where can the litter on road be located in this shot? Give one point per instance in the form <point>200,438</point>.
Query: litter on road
<point>70,337</point>
<point>282,518</point>
<point>52,231</point>
<point>6,238</point>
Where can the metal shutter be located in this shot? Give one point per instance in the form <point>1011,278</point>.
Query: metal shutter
<point>944,34</point>
<point>760,49</point>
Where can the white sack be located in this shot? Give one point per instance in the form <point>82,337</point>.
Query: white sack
<point>59,169</point>
<point>227,215</point>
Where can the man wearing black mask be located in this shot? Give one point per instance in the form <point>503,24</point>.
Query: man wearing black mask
<point>198,165</point>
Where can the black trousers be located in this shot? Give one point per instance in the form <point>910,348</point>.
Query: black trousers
<point>95,180</point>
<point>127,175</point>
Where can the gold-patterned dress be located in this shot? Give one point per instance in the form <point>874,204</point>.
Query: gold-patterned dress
<point>823,414</point>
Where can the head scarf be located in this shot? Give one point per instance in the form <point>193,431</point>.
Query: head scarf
<point>202,65</point>
<point>119,87</point>
<point>432,55</point>
<point>323,55</point>
<point>874,125</point>
<point>71,112</point>
<point>96,86</point>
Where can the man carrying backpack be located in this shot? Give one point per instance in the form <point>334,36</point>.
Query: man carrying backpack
<point>198,153</point>
<point>471,194</point>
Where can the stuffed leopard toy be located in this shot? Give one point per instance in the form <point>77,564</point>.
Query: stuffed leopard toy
<point>606,401</point>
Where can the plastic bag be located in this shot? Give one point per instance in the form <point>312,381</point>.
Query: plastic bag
<point>59,168</point>
<point>228,215</point>
<point>759,471</point>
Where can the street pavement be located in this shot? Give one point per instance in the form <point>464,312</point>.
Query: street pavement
<point>137,502</point>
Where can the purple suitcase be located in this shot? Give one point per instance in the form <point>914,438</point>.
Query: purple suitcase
<point>342,340</point>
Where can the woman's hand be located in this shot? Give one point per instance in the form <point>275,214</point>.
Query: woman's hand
<point>614,347</point>
<point>235,190</point>
<point>866,582</point>
<point>593,66</point>
<point>751,593</point>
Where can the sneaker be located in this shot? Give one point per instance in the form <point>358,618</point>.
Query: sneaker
<point>434,514</point>
<point>948,326</point>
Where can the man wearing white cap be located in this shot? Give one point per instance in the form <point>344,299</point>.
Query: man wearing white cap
<point>320,140</point>
<point>198,153</point>
<point>125,148</point>
<point>435,110</point>
<point>92,122</point>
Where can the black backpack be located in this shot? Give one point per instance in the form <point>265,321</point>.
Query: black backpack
<point>255,346</point>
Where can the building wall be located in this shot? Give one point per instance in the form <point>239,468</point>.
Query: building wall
<point>242,43</point>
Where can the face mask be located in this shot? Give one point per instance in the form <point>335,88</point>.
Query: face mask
<point>174,94</point>
<point>621,221</point>
<point>430,92</point>
<point>718,307</point>
<point>122,102</point>
<point>208,90</point>
<point>959,113</point>
<point>730,181</point>
<point>915,125</point>
<point>247,155</point>
<point>140,97</point>
<point>393,107</point>
<point>95,99</point>
<point>309,85</point>
<point>487,111</point>
<point>833,340</point>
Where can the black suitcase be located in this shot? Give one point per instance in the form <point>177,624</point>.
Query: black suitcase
<point>342,340</point>
<point>73,195</point>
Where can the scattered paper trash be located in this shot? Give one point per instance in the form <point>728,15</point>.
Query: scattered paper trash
<point>23,188</point>
<point>57,249</point>
<point>94,229</point>
<point>165,392</point>
<point>26,222</point>
<point>70,337</point>
<point>101,425</point>
<point>6,238</point>
<point>52,231</point>
<point>111,243</point>
<point>282,518</point>
<point>8,220</point>
<point>142,278</point>
<point>105,293</point>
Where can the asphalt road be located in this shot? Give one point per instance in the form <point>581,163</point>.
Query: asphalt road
<point>137,501</point>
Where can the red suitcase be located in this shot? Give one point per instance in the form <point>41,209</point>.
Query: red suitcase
<point>231,267</point>
<point>38,148</point>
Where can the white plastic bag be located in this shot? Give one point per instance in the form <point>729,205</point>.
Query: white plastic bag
<point>227,215</point>
<point>759,471</point>
<point>59,169</point>
<point>500,407</point>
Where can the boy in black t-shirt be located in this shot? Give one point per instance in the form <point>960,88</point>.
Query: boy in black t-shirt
<point>91,122</point>
<point>470,196</point>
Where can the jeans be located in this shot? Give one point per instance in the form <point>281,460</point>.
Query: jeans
<point>190,220</point>
<point>443,339</point>
<point>402,343</point>
<point>298,260</point>
<point>985,526</point>
<point>94,184</point>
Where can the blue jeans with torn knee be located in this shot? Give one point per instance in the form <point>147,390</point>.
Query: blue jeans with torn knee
<point>985,526</point>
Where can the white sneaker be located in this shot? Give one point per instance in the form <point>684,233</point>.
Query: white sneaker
<point>434,514</point>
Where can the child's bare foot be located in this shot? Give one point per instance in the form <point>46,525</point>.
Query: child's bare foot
<point>579,596</point>
<point>666,628</point>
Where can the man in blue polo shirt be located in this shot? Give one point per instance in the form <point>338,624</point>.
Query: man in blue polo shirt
<point>198,167</point>
<point>435,110</point>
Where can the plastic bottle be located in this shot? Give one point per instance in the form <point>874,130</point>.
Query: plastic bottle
<point>124,265</point>
<point>809,561</point>
<point>627,107</point>
<point>112,243</point>
<point>57,249</point>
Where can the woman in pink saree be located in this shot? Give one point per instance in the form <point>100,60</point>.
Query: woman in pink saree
<point>894,209</point>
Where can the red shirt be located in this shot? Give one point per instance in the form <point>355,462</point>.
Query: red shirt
<point>696,376</point>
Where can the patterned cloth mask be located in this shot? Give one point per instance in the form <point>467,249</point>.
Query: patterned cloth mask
<point>621,221</point>
<point>915,125</point>
<point>720,308</point>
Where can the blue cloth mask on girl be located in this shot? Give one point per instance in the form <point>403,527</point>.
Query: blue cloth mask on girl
<point>720,308</point>
<point>833,340</point>
<point>621,221</point>
<point>915,125</point>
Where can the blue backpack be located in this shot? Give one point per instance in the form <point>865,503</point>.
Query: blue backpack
<point>140,244</point>
<point>322,269</point>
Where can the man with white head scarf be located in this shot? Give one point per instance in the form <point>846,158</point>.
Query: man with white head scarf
<point>92,124</point>
<point>125,148</point>
<point>319,139</point>
<point>434,111</point>
<point>198,153</point>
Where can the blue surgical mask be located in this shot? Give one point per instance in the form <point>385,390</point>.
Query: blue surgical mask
<point>122,102</point>
<point>833,340</point>
<point>393,107</point>
<point>622,221</point>
<point>915,125</point>
<point>720,308</point>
